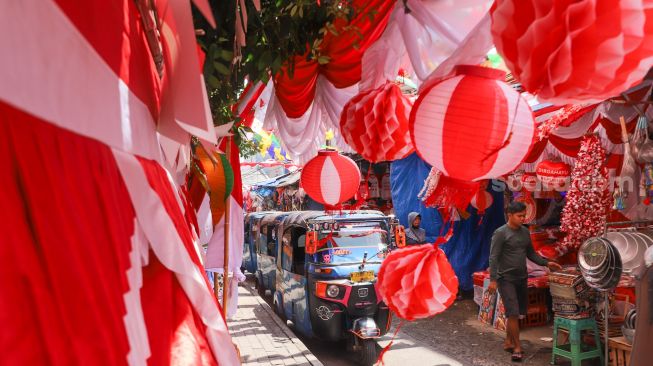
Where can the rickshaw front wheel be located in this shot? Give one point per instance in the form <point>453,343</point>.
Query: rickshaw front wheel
<point>367,351</point>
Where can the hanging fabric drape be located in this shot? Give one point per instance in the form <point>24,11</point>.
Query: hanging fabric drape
<point>100,253</point>
<point>344,50</point>
<point>420,36</point>
<point>564,141</point>
<point>99,274</point>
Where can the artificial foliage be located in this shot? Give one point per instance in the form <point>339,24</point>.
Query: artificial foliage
<point>589,199</point>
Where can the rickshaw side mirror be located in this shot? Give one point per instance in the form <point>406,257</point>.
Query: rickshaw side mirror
<point>400,236</point>
<point>311,242</point>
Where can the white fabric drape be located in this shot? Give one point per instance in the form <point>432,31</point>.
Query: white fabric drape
<point>303,136</point>
<point>422,39</point>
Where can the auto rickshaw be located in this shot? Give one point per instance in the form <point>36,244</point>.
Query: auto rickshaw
<point>251,226</point>
<point>326,276</point>
<point>266,251</point>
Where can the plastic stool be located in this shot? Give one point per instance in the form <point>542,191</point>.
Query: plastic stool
<point>575,350</point>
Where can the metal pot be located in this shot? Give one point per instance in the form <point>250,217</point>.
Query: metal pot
<point>600,263</point>
<point>631,247</point>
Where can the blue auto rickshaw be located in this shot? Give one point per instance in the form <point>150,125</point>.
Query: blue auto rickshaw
<point>252,220</point>
<point>266,251</point>
<point>326,276</point>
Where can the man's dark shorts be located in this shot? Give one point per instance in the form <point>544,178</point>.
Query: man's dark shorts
<point>514,295</point>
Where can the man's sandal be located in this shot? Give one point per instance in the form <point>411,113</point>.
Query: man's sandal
<point>517,356</point>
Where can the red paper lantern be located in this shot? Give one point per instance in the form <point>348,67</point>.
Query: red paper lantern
<point>375,124</point>
<point>574,51</point>
<point>553,175</point>
<point>417,282</point>
<point>482,200</point>
<point>330,178</point>
<point>472,126</point>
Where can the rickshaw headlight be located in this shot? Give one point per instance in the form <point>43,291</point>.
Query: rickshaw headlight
<point>333,291</point>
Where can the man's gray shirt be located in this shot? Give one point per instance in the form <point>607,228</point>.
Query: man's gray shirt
<point>508,253</point>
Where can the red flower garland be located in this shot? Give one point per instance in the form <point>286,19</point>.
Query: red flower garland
<point>589,199</point>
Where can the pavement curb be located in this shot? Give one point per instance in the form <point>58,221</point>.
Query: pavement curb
<point>287,331</point>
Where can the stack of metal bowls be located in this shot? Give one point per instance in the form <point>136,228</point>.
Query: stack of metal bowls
<point>600,263</point>
<point>628,328</point>
<point>631,246</point>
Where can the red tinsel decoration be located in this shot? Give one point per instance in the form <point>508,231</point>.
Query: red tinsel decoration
<point>446,193</point>
<point>589,199</point>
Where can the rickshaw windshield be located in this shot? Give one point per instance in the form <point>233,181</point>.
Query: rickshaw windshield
<point>349,243</point>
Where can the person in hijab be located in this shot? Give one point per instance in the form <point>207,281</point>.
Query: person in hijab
<point>415,234</point>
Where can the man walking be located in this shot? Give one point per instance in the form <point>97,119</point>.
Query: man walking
<point>511,245</point>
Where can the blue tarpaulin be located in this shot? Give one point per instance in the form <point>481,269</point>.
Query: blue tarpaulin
<point>469,248</point>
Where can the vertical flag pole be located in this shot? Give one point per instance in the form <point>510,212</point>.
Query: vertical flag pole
<point>227,219</point>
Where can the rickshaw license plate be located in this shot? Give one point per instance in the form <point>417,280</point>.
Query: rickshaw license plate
<point>362,276</point>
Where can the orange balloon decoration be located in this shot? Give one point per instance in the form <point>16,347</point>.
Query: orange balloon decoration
<point>417,282</point>
<point>375,124</point>
<point>569,51</point>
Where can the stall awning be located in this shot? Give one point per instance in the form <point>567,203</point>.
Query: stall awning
<point>282,180</point>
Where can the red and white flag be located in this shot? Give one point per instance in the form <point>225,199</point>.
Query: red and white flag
<point>99,265</point>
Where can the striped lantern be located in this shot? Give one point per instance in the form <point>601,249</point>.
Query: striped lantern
<point>482,200</point>
<point>330,178</point>
<point>472,126</point>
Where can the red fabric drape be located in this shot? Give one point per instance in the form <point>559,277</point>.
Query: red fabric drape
<point>66,222</point>
<point>297,93</point>
<point>536,150</point>
<point>570,147</point>
<point>613,130</point>
<point>66,227</point>
<point>158,180</point>
<point>344,68</point>
<point>177,335</point>
<point>122,43</point>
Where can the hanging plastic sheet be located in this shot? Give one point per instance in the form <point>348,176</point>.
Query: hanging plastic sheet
<point>469,248</point>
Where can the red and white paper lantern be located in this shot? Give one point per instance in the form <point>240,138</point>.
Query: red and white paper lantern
<point>330,178</point>
<point>554,175</point>
<point>417,282</point>
<point>472,126</point>
<point>574,51</point>
<point>482,200</point>
<point>375,124</point>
